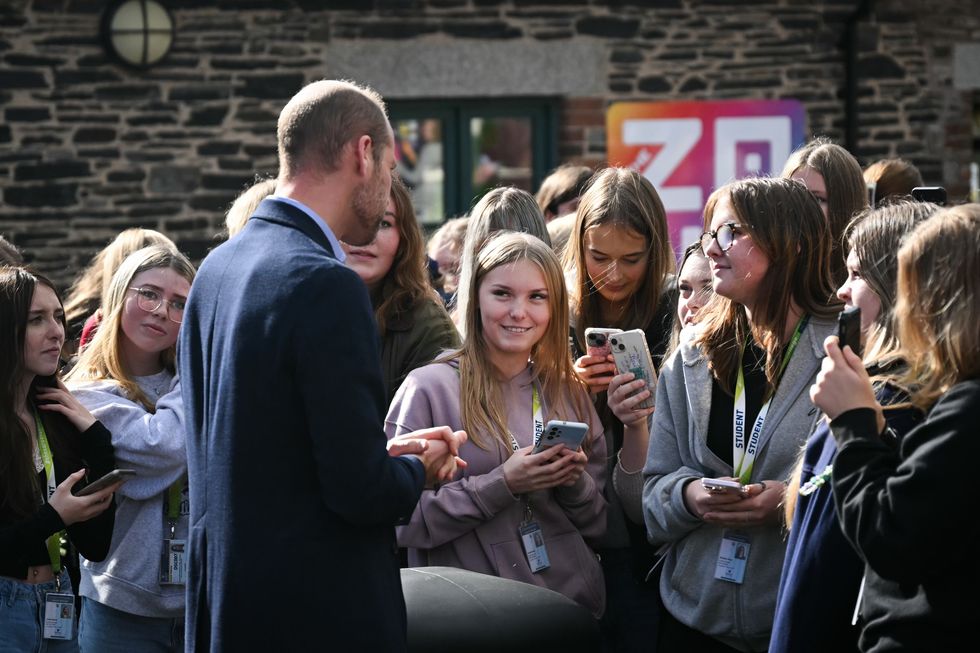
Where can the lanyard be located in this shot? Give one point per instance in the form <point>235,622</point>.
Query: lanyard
<point>54,542</point>
<point>743,454</point>
<point>537,418</point>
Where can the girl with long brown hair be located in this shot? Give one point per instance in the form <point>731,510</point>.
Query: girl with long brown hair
<point>412,322</point>
<point>907,511</point>
<point>47,439</point>
<point>732,403</point>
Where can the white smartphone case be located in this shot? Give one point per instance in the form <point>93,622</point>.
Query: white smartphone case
<point>631,353</point>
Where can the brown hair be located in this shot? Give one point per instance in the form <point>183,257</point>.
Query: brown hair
<point>892,178</point>
<point>875,236</point>
<point>939,301</point>
<point>846,191</point>
<point>19,490</point>
<point>9,254</point>
<point>453,234</point>
<point>321,120</point>
<point>785,222</point>
<point>565,183</point>
<point>624,198</point>
<point>407,281</point>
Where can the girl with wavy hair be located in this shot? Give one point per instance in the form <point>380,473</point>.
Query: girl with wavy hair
<point>47,439</point>
<point>732,403</point>
<point>412,322</point>
<point>134,600</point>
<point>903,509</point>
<point>512,375</point>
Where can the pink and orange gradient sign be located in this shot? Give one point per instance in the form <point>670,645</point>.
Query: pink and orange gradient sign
<point>688,149</point>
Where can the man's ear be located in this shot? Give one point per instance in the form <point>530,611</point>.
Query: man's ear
<point>364,155</point>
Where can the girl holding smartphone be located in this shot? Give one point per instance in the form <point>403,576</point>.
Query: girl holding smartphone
<point>821,576</point>
<point>47,438</point>
<point>620,262</point>
<point>512,376</point>
<point>907,511</point>
<point>126,377</point>
<point>732,403</point>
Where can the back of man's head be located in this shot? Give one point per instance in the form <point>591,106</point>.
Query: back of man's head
<point>320,120</point>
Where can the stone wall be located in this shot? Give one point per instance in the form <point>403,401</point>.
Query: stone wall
<point>88,148</point>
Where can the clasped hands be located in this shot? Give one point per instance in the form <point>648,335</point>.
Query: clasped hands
<point>437,448</point>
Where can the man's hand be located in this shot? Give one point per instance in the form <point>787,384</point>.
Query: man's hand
<point>437,448</point>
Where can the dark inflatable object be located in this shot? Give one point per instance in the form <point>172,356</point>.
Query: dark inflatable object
<point>456,610</point>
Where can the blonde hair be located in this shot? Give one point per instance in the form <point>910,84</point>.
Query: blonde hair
<point>624,198</point>
<point>86,294</point>
<point>939,301</point>
<point>101,358</point>
<point>245,205</point>
<point>452,234</point>
<point>481,404</point>
<point>502,209</point>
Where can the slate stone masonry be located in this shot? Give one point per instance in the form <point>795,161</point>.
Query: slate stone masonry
<point>88,148</point>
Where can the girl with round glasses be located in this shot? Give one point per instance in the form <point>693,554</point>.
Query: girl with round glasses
<point>47,440</point>
<point>134,600</point>
<point>732,403</point>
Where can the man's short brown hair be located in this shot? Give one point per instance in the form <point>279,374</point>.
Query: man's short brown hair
<point>320,120</point>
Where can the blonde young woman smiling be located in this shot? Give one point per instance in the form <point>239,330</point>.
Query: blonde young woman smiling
<point>512,375</point>
<point>126,377</point>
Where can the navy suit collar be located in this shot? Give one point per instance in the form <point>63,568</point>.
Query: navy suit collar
<point>288,215</point>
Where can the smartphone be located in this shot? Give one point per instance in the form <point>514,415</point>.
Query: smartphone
<point>934,194</point>
<point>721,485</point>
<point>849,329</point>
<point>556,431</point>
<point>111,478</point>
<point>597,341</point>
<point>629,349</point>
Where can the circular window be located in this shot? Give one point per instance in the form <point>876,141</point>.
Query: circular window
<point>137,32</point>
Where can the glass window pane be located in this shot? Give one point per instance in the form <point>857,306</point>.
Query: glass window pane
<point>419,153</point>
<point>502,153</point>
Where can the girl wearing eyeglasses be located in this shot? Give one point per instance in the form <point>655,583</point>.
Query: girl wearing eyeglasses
<point>134,600</point>
<point>732,403</point>
<point>47,440</point>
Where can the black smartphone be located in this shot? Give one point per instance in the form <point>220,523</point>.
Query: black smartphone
<point>111,478</point>
<point>934,194</point>
<point>849,329</point>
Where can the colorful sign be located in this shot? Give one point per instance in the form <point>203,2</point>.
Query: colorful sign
<point>688,149</point>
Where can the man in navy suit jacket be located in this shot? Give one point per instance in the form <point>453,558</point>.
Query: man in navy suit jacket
<point>293,494</point>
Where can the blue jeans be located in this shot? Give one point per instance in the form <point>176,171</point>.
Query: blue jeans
<point>107,630</point>
<point>21,615</point>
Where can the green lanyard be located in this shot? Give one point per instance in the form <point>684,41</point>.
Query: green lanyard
<point>743,453</point>
<point>53,542</point>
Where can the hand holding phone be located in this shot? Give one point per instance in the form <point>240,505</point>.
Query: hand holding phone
<point>597,341</point>
<point>722,486</point>
<point>111,478</point>
<point>849,329</point>
<point>570,434</point>
<point>630,351</point>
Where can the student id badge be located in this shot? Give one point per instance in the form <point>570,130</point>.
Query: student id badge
<point>59,615</point>
<point>732,557</point>
<point>173,563</point>
<point>533,541</point>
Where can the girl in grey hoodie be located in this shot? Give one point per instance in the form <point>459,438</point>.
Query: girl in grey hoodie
<point>134,600</point>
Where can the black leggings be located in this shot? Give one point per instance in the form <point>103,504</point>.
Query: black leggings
<point>675,637</point>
